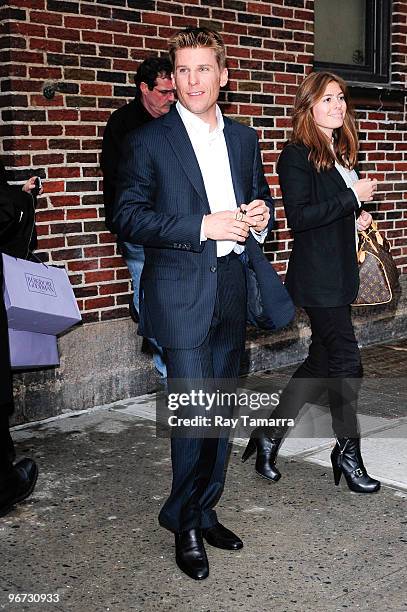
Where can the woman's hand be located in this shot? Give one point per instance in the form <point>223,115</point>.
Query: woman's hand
<point>364,221</point>
<point>365,188</point>
<point>257,213</point>
<point>30,184</point>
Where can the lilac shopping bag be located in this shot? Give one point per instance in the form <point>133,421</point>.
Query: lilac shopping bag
<point>32,350</point>
<point>38,298</point>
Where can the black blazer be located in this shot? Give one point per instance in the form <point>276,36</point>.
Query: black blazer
<point>122,121</point>
<point>320,210</point>
<point>160,204</point>
<point>17,219</point>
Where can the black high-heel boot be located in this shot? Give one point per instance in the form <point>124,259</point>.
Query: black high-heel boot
<point>346,459</point>
<point>267,449</point>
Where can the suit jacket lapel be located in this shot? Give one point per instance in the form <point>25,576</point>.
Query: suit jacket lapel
<point>233,145</point>
<point>184,151</point>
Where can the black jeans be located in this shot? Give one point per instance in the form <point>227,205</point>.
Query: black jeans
<point>333,364</point>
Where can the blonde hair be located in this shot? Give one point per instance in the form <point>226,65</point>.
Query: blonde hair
<point>193,38</point>
<point>306,131</point>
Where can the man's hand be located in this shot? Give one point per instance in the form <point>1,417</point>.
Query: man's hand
<point>224,226</point>
<point>30,184</point>
<point>258,212</point>
<point>363,221</point>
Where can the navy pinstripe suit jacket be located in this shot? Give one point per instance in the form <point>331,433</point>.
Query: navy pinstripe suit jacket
<point>160,204</point>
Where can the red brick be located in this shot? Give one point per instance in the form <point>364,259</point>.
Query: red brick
<point>51,243</point>
<point>156,18</point>
<point>113,288</point>
<point>26,57</point>
<point>65,172</point>
<point>261,8</point>
<point>65,200</point>
<point>98,276</point>
<point>104,38</point>
<point>24,144</point>
<point>34,4</point>
<point>42,44</point>
<point>81,213</point>
<point>89,115</point>
<point>79,23</point>
<point>122,274</point>
<point>112,262</point>
<point>46,130</point>
<point>28,29</point>
<point>139,29</point>
<point>49,215</point>
<point>96,89</point>
<point>80,130</point>
<point>63,115</point>
<point>101,302</point>
<point>112,25</point>
<point>79,266</point>
<point>47,159</point>
<point>63,33</point>
<point>125,65</point>
<point>99,251</point>
<point>47,72</point>
<point>46,17</point>
<point>40,101</point>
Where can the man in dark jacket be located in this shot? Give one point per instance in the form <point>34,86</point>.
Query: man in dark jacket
<point>17,238</point>
<point>154,97</point>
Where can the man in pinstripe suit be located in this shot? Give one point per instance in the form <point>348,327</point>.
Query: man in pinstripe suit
<point>193,192</point>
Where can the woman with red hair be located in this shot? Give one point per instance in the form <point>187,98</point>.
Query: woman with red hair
<point>323,198</point>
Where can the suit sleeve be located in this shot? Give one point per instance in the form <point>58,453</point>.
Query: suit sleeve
<point>295,177</point>
<point>135,218</point>
<point>260,189</point>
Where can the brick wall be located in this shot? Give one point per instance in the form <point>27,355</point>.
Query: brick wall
<point>93,48</point>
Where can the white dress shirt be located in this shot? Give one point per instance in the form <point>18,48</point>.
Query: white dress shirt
<point>213,160</point>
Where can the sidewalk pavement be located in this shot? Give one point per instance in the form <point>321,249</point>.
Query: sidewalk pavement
<point>89,535</point>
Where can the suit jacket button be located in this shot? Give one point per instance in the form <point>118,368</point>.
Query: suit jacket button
<point>213,268</point>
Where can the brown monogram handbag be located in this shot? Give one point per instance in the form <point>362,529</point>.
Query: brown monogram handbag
<point>378,273</point>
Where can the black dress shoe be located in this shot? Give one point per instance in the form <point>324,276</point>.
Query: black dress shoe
<point>17,484</point>
<point>191,555</point>
<point>221,537</point>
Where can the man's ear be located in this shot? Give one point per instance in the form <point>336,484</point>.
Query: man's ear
<point>143,88</point>
<point>224,75</point>
<point>173,80</point>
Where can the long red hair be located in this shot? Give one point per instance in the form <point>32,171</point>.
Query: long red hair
<point>306,131</point>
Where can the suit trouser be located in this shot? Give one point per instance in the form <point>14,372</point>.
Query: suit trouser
<point>6,384</point>
<point>198,463</point>
<point>333,364</point>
